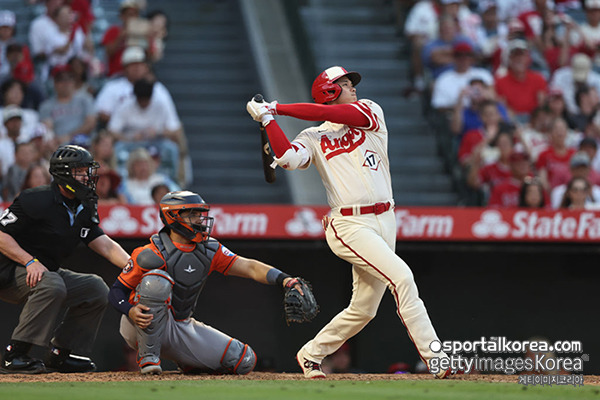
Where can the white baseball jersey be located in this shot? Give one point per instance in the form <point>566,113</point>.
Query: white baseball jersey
<point>353,162</point>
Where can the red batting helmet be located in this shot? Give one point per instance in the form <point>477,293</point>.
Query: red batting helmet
<point>193,228</point>
<point>324,89</point>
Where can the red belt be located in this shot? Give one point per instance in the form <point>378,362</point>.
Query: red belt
<point>378,208</point>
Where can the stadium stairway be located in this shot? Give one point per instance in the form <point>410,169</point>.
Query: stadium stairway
<point>361,36</point>
<point>209,70</point>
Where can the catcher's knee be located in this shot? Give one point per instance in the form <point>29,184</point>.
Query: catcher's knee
<point>155,285</point>
<point>238,358</point>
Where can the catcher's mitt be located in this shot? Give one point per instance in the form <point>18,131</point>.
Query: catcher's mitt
<point>299,308</point>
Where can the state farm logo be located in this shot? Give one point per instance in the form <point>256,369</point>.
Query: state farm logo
<point>535,225</point>
<point>491,224</point>
<point>345,144</point>
<point>431,226</point>
<point>119,220</point>
<point>305,222</point>
<point>239,223</point>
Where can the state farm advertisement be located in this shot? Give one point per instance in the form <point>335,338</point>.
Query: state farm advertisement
<point>268,221</point>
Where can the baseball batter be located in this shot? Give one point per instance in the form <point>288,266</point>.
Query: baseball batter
<point>350,152</point>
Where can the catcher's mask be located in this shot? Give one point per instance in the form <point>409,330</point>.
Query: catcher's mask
<point>74,168</point>
<point>186,213</point>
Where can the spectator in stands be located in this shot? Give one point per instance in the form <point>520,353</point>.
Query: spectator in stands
<point>479,144</point>
<point>533,20</point>
<point>159,30</point>
<point>553,163</point>
<point>15,61</point>
<point>534,136</point>
<point>580,167</point>
<point>12,118</point>
<point>587,101</point>
<point>465,116</point>
<point>79,68</point>
<point>103,149</point>
<point>555,39</point>
<point>555,104</point>
<point>521,89</point>
<point>158,192</point>
<point>107,186</point>
<point>439,54</point>
<point>144,121</point>
<point>532,193</point>
<point>37,175</point>
<point>137,187</point>
<point>589,146</point>
<point>42,29</point>
<point>15,176</point>
<point>67,41</point>
<point>115,92</point>
<point>115,38</point>
<point>570,78</point>
<point>492,35</point>
<point>507,192</point>
<point>485,177</point>
<point>588,37</point>
<point>578,195</point>
<point>68,113</point>
<point>13,94</point>
<point>448,85</point>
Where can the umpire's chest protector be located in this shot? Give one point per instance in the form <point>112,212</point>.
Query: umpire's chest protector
<point>189,270</point>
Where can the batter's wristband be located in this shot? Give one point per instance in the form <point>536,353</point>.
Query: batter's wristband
<point>33,260</point>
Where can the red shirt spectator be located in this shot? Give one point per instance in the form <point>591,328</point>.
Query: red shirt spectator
<point>83,14</point>
<point>506,193</point>
<point>522,89</point>
<point>494,174</point>
<point>556,165</point>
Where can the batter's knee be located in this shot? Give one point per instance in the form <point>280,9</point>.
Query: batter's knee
<point>156,285</point>
<point>238,358</point>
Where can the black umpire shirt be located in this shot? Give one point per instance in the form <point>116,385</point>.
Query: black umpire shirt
<point>47,225</point>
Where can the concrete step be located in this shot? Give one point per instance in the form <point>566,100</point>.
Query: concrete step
<point>355,15</point>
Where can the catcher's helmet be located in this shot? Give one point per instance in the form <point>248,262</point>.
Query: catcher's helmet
<point>324,88</point>
<point>196,228</point>
<point>62,165</point>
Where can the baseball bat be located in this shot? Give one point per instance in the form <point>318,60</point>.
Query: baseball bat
<point>267,154</point>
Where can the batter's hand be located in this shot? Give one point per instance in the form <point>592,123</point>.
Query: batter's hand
<point>258,110</point>
<point>34,273</point>
<point>137,315</point>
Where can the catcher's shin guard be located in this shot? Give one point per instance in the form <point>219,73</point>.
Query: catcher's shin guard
<point>238,358</point>
<point>154,291</point>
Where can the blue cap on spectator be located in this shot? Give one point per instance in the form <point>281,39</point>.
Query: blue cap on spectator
<point>588,141</point>
<point>7,18</point>
<point>580,159</point>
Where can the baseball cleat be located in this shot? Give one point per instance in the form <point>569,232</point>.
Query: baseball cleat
<point>151,369</point>
<point>23,365</point>
<point>64,362</point>
<point>311,369</point>
<point>447,373</point>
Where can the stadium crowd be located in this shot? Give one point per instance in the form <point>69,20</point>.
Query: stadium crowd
<point>514,86</point>
<point>79,80</point>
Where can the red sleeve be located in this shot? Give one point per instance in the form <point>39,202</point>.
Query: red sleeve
<point>471,139</point>
<point>542,84</point>
<point>223,259</point>
<point>111,35</point>
<point>496,196</point>
<point>347,114</point>
<point>279,142</point>
<point>541,161</point>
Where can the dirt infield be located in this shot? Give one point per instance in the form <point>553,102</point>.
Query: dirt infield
<point>592,380</point>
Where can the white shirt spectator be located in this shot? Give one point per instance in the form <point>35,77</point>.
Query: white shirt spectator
<point>7,154</point>
<point>558,192</point>
<point>563,80</point>
<point>423,20</point>
<point>508,9</point>
<point>117,91</point>
<point>130,118</point>
<point>449,84</point>
<point>139,192</point>
<point>30,119</point>
<point>42,28</point>
<point>56,39</point>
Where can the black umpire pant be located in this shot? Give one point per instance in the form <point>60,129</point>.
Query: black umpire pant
<point>83,295</point>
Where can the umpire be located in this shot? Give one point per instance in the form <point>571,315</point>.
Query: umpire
<point>37,232</point>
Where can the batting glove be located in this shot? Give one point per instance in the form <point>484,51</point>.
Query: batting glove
<point>261,112</point>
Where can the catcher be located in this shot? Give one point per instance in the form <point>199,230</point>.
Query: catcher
<point>158,289</point>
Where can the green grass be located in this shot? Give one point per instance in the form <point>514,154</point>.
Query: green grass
<point>290,390</point>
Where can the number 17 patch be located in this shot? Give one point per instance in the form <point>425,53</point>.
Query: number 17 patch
<point>372,160</point>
